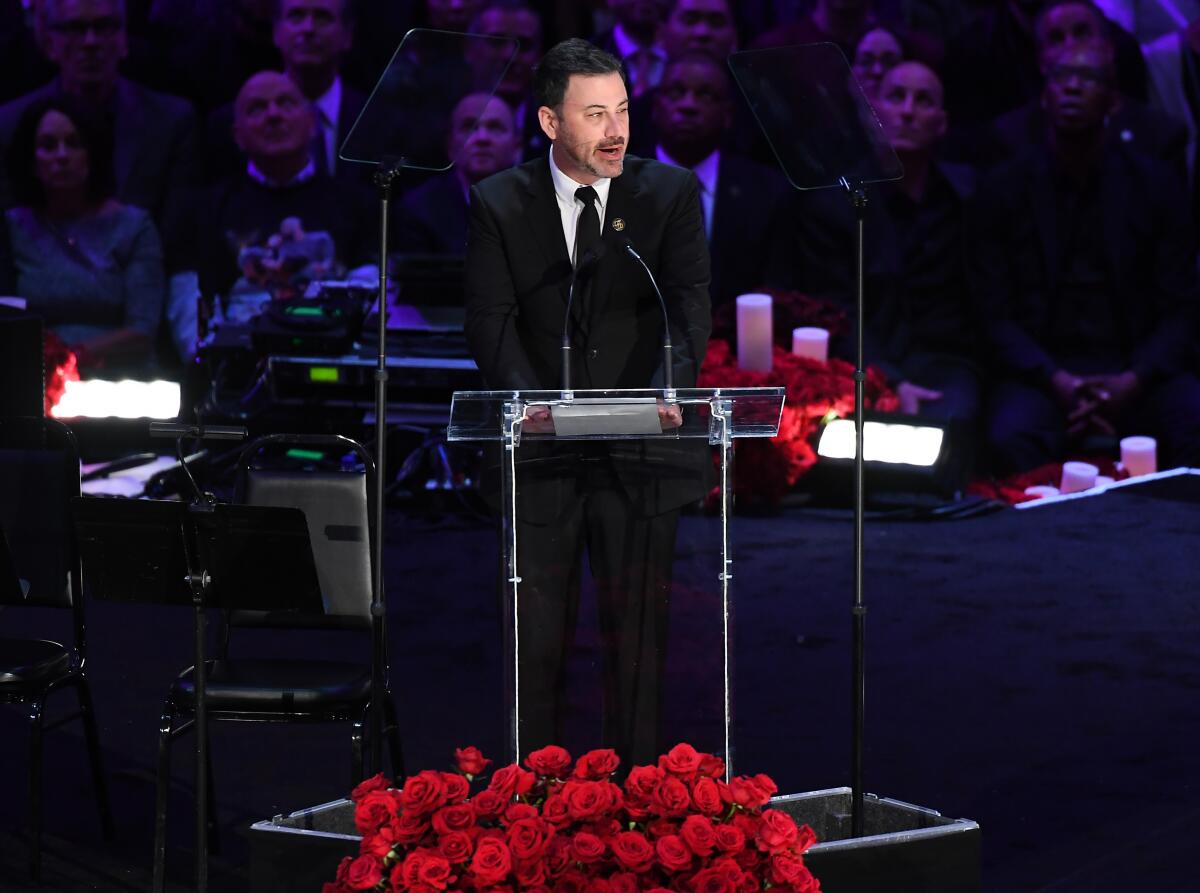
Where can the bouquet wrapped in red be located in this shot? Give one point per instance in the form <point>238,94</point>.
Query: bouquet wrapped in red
<point>562,826</point>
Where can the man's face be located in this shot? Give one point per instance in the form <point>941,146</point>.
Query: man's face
<point>876,54</point>
<point>525,25</point>
<point>845,7</point>
<point>60,158</point>
<point>271,118</point>
<point>591,129</point>
<point>311,33</point>
<point>910,108</point>
<point>639,14</point>
<point>691,107</point>
<point>704,26</point>
<point>1078,93</point>
<point>483,139</point>
<point>451,15</point>
<point>86,39</point>
<point>1064,28</point>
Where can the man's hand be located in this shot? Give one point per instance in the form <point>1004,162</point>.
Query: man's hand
<point>911,396</point>
<point>537,419</point>
<point>1066,386</point>
<point>1114,393</point>
<point>670,415</point>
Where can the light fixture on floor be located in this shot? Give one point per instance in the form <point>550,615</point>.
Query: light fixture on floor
<point>127,399</point>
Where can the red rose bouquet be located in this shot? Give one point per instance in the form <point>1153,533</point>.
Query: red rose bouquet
<point>560,826</point>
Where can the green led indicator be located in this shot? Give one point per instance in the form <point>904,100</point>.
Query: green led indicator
<point>324,374</point>
<point>305,311</point>
<point>308,455</point>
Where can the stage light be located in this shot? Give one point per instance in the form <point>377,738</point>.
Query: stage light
<point>894,443</point>
<point>127,399</point>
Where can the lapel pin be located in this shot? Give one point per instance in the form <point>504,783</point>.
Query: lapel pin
<point>618,224</point>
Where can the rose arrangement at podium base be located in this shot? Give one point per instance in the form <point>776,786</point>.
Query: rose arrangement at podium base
<point>556,825</point>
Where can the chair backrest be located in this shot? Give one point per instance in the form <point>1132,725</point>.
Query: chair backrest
<point>39,474</point>
<point>337,504</point>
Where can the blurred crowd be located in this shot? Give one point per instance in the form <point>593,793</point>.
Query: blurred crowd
<point>1033,274</point>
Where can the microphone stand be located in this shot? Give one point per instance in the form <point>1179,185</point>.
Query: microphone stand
<point>668,352</point>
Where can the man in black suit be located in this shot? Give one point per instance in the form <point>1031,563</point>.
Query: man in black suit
<point>1084,264</point>
<point>742,200</point>
<point>529,226</point>
<point>312,37</point>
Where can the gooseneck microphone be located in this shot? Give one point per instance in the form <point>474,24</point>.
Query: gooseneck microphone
<point>668,372</point>
<point>583,269</point>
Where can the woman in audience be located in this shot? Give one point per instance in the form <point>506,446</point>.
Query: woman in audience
<point>89,265</point>
<point>877,53</point>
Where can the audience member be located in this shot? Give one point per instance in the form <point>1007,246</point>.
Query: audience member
<point>877,53</point>
<point>90,265</point>
<point>482,141</point>
<point>700,26</point>
<point>312,36</point>
<point>276,225</point>
<point>451,15</point>
<point>994,66</point>
<point>1084,264</point>
<point>154,147</point>
<point>634,39</point>
<point>516,18</point>
<point>843,22</point>
<point>1173,63</point>
<point>742,200</point>
<point>920,328</point>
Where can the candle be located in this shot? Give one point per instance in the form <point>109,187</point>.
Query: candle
<point>1078,476</point>
<point>1138,455</point>
<point>811,342</point>
<point>754,334</point>
<point>1041,490</point>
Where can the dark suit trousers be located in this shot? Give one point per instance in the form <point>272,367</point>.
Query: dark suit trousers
<point>630,556</point>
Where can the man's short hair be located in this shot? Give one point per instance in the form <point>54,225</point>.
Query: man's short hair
<point>574,56</point>
<point>94,133</point>
<point>347,11</point>
<point>1050,5</point>
<point>47,11</point>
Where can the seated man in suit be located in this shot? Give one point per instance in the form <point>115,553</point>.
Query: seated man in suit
<point>154,156</point>
<point>529,228</point>
<point>742,200</point>
<point>1084,263</point>
<point>634,39</point>
<point>516,18</point>
<point>482,141</point>
<point>312,37</point>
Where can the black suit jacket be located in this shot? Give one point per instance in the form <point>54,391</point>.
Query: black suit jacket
<point>518,272</point>
<point>1015,262</point>
<point>433,218</point>
<point>748,227</point>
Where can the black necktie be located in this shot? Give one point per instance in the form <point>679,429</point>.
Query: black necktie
<point>587,229</point>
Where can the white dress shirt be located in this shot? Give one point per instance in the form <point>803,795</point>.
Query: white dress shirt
<point>706,172</point>
<point>569,207</point>
<point>629,50</point>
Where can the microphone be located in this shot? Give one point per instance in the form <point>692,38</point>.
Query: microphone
<point>586,266</point>
<point>668,372</point>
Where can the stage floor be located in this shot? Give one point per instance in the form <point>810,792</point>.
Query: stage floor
<point>1037,671</point>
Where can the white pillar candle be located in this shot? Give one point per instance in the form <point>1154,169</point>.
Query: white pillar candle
<point>1077,476</point>
<point>754,332</point>
<point>1139,455</point>
<point>1041,490</point>
<point>811,342</point>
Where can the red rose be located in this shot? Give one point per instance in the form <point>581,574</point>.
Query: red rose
<point>729,838</point>
<point>712,880</point>
<point>671,798</point>
<point>597,885</point>
<point>489,804</point>
<point>435,872</point>
<point>697,832</point>
<point>682,760</point>
<point>747,823</point>
<point>374,810</point>
<point>623,882</point>
<point>409,828</point>
<point>660,827</point>
<point>423,792</point>
<point>777,831</point>
<point>457,787</point>
<point>530,873</point>
<point>633,851</point>
<point>597,765</point>
<point>707,796</point>
<point>558,855</point>
<point>787,868</point>
<point>511,781</point>
<point>491,862</point>
<point>711,766</point>
<point>528,838</point>
<point>555,811</point>
<point>375,783</point>
<point>456,847</point>
<point>614,796</point>
<point>514,812</point>
<point>571,882</point>
<point>585,799</point>
<point>642,782</point>
<point>378,844</point>
<point>673,854</point>
<point>805,838</point>
<point>333,887</point>
<point>459,817</point>
<point>539,888</point>
<point>587,848</point>
<point>470,760</point>
<point>551,761</point>
<point>747,793</point>
<point>364,873</point>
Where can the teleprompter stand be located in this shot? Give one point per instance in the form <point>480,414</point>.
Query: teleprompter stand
<point>203,555</point>
<point>826,136</point>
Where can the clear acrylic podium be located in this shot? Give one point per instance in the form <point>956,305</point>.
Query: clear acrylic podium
<point>621,428</point>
